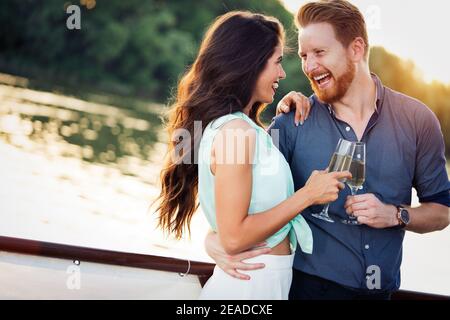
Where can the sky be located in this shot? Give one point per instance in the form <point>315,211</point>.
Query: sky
<point>417,30</point>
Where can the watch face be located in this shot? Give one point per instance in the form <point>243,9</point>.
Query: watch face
<point>404,215</point>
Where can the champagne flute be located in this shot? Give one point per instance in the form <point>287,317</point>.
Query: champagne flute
<point>340,161</point>
<point>358,171</point>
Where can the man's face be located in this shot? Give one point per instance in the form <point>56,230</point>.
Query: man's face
<point>325,62</point>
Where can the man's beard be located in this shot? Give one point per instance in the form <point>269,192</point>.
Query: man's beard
<point>339,87</point>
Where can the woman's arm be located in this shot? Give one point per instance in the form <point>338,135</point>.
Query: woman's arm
<point>239,231</point>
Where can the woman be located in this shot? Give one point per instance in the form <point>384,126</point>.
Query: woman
<point>245,189</point>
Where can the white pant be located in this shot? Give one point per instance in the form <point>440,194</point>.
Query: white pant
<point>273,282</point>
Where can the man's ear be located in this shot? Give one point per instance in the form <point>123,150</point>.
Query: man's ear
<point>357,49</point>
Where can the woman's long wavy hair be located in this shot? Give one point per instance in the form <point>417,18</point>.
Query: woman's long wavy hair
<point>232,55</point>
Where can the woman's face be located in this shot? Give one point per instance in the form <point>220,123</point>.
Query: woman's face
<point>267,83</point>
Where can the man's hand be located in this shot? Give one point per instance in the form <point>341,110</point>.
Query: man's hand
<point>371,211</point>
<point>299,102</point>
<point>231,264</point>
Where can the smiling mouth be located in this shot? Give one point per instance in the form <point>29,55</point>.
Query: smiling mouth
<point>275,86</point>
<point>322,79</point>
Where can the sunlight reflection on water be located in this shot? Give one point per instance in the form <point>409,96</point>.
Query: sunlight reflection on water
<point>88,177</point>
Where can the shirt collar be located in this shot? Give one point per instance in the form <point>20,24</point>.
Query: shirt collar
<point>379,92</point>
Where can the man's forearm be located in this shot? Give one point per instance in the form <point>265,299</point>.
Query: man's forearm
<point>428,217</point>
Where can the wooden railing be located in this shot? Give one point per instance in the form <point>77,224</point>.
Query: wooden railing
<point>201,269</point>
<point>55,250</point>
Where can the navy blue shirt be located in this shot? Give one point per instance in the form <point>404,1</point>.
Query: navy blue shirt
<point>404,149</point>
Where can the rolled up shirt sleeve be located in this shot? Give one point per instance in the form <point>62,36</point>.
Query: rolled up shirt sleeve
<point>430,177</point>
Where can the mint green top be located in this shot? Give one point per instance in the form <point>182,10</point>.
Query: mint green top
<point>272,182</point>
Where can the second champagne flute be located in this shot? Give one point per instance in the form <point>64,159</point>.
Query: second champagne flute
<point>358,171</point>
<point>340,161</point>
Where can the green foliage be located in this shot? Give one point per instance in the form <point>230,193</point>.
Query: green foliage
<point>126,47</point>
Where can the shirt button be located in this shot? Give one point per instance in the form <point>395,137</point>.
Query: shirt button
<point>347,129</point>
<point>367,247</point>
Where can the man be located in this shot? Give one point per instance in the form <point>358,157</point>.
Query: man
<point>405,149</point>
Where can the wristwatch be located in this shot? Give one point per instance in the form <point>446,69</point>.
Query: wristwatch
<point>402,216</point>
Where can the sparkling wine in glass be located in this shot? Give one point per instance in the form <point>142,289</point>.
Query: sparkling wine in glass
<point>340,161</point>
<point>358,171</point>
